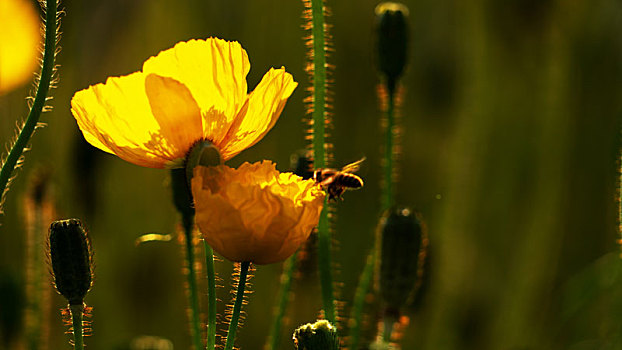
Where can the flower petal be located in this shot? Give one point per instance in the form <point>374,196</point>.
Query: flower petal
<point>176,112</point>
<point>19,43</point>
<point>116,117</point>
<point>214,70</point>
<point>254,213</point>
<point>261,112</point>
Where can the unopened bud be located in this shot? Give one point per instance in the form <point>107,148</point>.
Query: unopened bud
<point>71,258</point>
<point>320,335</point>
<point>401,239</point>
<point>392,31</point>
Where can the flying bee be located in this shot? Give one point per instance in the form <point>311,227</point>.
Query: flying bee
<point>336,182</point>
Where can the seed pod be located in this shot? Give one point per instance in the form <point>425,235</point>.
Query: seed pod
<point>392,45</point>
<point>71,258</point>
<point>401,236</point>
<point>320,335</point>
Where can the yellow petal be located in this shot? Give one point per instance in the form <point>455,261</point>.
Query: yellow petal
<point>19,43</point>
<point>117,118</point>
<point>175,111</point>
<point>214,70</point>
<point>254,213</point>
<point>259,115</point>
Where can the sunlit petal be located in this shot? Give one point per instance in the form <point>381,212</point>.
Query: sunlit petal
<point>19,43</point>
<point>264,107</point>
<point>103,114</point>
<point>254,213</point>
<point>214,70</point>
<point>176,113</point>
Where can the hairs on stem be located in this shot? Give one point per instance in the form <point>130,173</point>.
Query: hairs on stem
<point>43,82</point>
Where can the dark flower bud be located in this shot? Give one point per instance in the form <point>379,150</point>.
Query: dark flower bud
<point>402,240</point>
<point>392,45</point>
<point>320,335</point>
<point>71,258</point>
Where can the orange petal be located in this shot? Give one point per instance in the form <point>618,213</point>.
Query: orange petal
<point>214,70</point>
<point>254,213</point>
<point>261,113</point>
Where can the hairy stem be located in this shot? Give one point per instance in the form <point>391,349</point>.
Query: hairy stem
<point>211,295</point>
<point>319,150</point>
<point>237,305</point>
<point>193,298</point>
<point>76,320</point>
<point>47,71</point>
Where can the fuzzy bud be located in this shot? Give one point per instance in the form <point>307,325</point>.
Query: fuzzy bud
<point>320,335</point>
<point>401,235</point>
<point>71,258</point>
<point>392,45</point>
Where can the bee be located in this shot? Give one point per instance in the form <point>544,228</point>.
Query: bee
<point>336,182</point>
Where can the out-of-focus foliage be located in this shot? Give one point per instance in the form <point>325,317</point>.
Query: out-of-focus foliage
<point>510,120</point>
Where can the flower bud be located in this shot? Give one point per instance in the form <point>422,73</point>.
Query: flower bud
<point>320,335</point>
<point>392,45</point>
<point>71,258</point>
<point>401,235</point>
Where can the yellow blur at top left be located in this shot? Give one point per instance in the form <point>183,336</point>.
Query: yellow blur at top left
<point>19,43</point>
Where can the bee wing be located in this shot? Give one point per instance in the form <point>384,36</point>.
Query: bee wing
<point>353,167</point>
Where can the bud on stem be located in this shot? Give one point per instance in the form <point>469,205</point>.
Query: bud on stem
<point>71,258</point>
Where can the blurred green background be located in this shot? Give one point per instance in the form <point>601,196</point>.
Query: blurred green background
<point>510,127</point>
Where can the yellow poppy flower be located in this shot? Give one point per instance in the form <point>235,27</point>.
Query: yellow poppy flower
<point>19,43</point>
<point>194,91</point>
<point>254,213</point>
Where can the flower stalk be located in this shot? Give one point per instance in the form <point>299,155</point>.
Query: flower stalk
<point>359,300</point>
<point>45,79</point>
<point>315,12</point>
<point>237,305</point>
<point>211,295</point>
<point>76,320</point>
<point>282,298</point>
<point>183,202</point>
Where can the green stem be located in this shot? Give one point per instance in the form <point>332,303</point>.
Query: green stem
<point>359,300</point>
<point>319,84</point>
<point>388,329</point>
<point>47,70</point>
<point>237,305</point>
<point>325,266</point>
<point>76,319</point>
<point>193,298</point>
<point>319,151</point>
<point>35,275</point>
<point>387,197</point>
<point>211,295</point>
<point>283,299</point>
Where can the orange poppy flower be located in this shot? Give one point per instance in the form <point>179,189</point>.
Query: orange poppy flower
<point>194,91</point>
<point>19,43</point>
<point>254,213</point>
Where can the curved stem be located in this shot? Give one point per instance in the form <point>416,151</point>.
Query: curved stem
<point>211,295</point>
<point>283,299</point>
<point>47,70</point>
<point>359,300</point>
<point>76,320</point>
<point>237,305</point>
